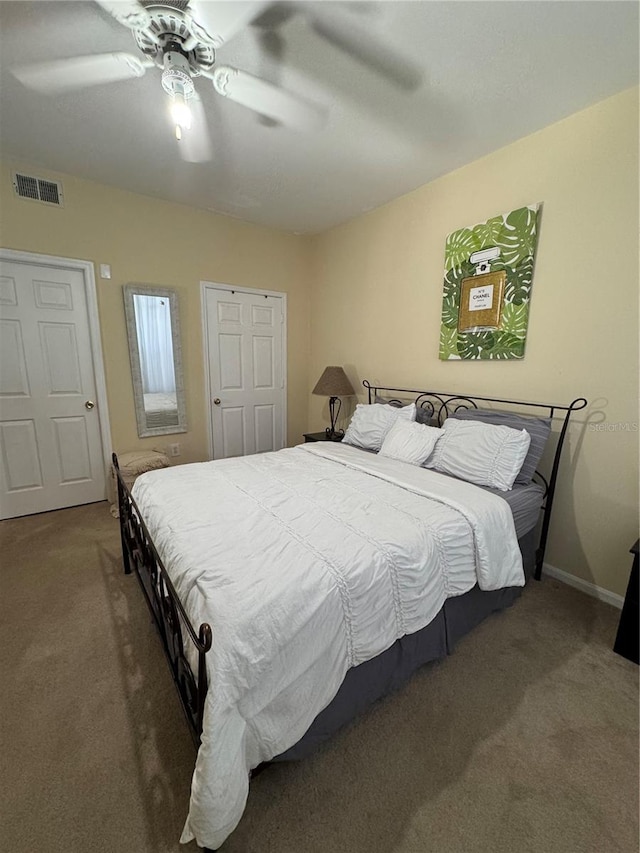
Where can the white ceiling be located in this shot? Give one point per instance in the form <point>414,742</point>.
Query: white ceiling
<point>493,72</point>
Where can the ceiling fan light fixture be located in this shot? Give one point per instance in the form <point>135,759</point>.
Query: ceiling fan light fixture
<point>180,114</point>
<point>177,83</point>
<point>176,76</point>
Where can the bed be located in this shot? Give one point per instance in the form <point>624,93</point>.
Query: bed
<point>160,409</point>
<point>320,578</point>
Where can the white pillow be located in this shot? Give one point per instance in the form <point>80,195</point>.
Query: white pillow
<point>485,454</point>
<point>370,423</point>
<point>410,442</point>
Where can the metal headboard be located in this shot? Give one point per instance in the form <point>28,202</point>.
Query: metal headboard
<point>440,404</point>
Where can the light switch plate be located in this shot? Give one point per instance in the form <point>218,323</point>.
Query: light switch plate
<point>105,270</point>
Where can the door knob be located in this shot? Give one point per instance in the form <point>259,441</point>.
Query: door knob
<point>89,404</point>
<point>216,401</point>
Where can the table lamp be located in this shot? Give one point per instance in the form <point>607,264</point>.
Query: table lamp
<point>334,384</point>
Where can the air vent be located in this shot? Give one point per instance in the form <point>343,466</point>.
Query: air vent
<point>38,189</point>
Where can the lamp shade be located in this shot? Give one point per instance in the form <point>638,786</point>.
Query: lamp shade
<point>334,383</point>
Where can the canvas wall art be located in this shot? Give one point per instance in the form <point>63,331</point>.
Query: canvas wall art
<point>488,273</point>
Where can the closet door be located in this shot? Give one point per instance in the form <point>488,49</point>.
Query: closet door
<point>245,360</point>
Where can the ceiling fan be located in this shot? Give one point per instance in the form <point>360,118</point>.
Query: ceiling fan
<point>180,37</point>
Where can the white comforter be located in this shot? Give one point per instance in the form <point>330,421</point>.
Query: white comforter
<point>307,562</point>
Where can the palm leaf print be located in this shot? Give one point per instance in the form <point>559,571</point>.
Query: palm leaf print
<point>448,343</point>
<point>451,285</point>
<point>459,245</point>
<point>518,286</point>
<point>514,319</point>
<point>476,344</point>
<point>506,346</point>
<point>488,233</point>
<point>450,313</point>
<point>518,238</point>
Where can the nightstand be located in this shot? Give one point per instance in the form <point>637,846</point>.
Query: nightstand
<point>320,436</point>
<point>627,638</point>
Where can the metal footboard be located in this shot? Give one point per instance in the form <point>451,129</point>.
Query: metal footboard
<point>139,555</point>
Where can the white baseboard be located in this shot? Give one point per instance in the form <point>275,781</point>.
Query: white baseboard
<point>584,586</point>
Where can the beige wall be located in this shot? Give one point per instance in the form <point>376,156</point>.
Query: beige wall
<point>377,294</point>
<point>170,245</point>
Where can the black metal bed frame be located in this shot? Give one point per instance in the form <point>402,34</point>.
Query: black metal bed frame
<point>440,404</point>
<point>140,555</point>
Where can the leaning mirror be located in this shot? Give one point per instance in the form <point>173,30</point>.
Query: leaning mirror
<point>153,329</point>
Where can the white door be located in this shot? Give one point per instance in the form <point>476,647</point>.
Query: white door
<point>245,353</point>
<point>51,452</point>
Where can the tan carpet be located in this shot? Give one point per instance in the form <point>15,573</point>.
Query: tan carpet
<point>526,739</point>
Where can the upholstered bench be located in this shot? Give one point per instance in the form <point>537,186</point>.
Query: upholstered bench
<point>135,463</point>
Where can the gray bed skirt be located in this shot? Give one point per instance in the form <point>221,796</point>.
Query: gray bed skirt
<point>365,684</point>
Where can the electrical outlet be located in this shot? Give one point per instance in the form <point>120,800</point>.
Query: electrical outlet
<point>174,449</point>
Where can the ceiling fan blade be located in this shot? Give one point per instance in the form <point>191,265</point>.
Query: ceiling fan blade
<point>195,145</point>
<point>267,99</point>
<point>275,15</point>
<point>78,72</point>
<point>215,23</point>
<point>340,29</point>
<point>127,12</point>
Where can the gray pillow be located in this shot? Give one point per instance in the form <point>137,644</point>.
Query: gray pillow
<point>538,428</point>
<point>424,416</point>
